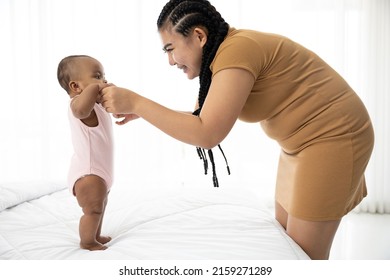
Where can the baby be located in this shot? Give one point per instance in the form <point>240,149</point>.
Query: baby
<point>91,171</point>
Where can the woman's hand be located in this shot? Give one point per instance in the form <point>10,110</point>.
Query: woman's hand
<point>126,118</point>
<point>118,100</point>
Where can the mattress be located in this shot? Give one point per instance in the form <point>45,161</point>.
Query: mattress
<point>39,221</point>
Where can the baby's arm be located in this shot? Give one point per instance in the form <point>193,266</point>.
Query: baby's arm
<point>82,104</point>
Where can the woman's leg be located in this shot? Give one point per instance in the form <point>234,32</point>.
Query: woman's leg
<point>315,238</point>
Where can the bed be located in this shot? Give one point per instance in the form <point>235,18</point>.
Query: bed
<point>39,221</point>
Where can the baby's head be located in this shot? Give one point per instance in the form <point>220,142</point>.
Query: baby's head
<point>75,72</point>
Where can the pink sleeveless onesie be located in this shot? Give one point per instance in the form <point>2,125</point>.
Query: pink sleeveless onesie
<point>93,148</point>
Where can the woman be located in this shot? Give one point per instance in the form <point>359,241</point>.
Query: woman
<point>324,130</point>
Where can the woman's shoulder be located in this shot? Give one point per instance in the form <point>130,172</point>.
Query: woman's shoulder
<point>247,49</point>
<point>242,48</point>
<point>248,35</point>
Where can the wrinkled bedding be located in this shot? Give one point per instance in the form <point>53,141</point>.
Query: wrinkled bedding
<point>39,221</point>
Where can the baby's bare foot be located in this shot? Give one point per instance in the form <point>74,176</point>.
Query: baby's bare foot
<point>93,246</point>
<point>103,239</point>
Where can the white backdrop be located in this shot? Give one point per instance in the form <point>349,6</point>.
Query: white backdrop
<point>351,35</point>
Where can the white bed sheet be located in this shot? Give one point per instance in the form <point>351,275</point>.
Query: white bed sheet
<point>145,223</point>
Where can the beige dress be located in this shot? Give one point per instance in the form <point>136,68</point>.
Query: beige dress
<point>323,128</point>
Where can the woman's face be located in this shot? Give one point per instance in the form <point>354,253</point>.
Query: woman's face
<point>185,52</point>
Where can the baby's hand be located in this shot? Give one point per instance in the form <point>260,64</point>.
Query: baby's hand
<point>101,87</point>
<point>126,118</point>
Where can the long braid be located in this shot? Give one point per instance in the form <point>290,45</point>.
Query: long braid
<point>183,16</point>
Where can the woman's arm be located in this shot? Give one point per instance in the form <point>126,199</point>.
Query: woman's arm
<point>228,92</point>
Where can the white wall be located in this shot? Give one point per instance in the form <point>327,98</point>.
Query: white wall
<point>36,34</point>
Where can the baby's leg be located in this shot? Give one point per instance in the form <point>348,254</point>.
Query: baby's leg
<point>101,238</point>
<point>91,194</point>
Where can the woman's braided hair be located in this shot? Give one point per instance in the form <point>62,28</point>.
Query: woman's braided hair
<point>183,16</point>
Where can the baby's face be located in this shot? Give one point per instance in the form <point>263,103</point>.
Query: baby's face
<point>90,71</point>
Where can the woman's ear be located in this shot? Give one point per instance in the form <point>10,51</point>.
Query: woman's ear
<point>201,35</point>
<point>74,87</point>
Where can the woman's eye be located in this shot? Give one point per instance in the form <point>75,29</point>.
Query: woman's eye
<point>167,50</point>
